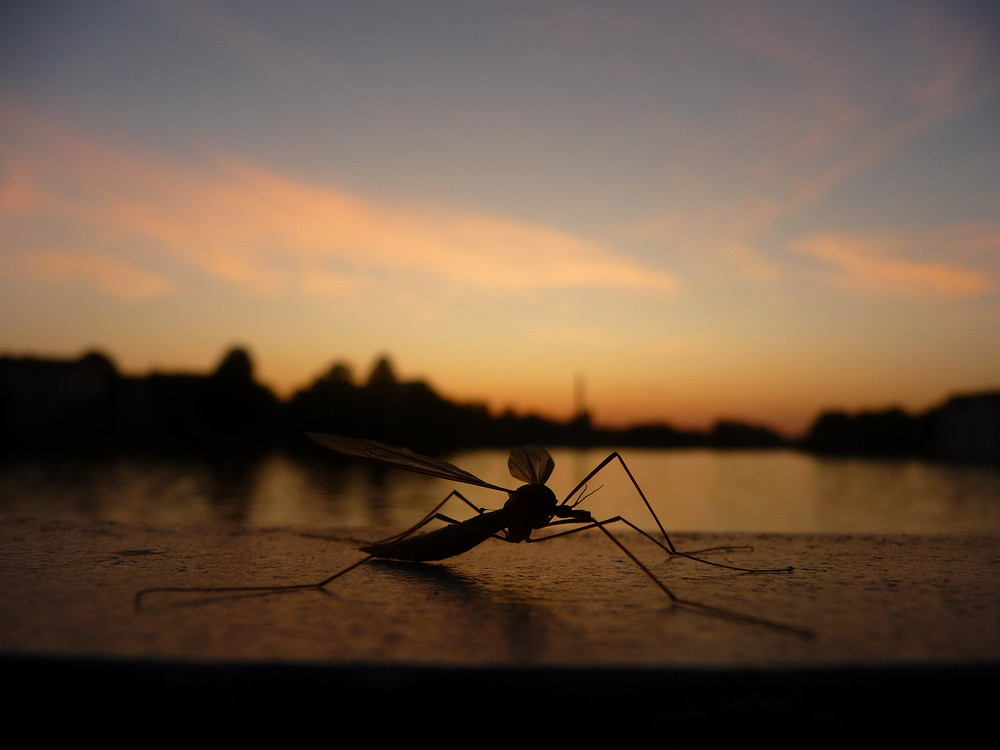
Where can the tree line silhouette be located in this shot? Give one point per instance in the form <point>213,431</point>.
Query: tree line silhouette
<point>86,406</point>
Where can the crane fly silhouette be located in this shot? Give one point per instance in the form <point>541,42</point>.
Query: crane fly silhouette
<point>529,508</point>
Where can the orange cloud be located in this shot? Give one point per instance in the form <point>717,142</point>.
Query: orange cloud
<point>267,232</point>
<point>113,276</point>
<point>869,263</point>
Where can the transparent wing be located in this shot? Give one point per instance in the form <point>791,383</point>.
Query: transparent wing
<point>531,464</point>
<point>404,458</point>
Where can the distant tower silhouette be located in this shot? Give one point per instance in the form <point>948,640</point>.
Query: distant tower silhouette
<point>581,417</point>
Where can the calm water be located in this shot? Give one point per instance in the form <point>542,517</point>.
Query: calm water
<point>692,490</point>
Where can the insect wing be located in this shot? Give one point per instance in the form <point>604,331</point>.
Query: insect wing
<point>531,464</point>
<point>404,458</point>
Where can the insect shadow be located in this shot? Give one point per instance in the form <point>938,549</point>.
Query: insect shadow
<point>529,508</point>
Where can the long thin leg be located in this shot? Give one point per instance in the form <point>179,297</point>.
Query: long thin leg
<point>416,527</point>
<point>290,587</point>
<point>654,540</point>
<point>698,606</point>
<point>670,548</point>
<point>676,600</point>
<point>433,515</point>
<point>140,595</point>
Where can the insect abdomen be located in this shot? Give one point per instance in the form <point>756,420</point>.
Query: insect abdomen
<point>451,540</point>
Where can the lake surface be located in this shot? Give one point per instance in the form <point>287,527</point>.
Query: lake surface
<point>691,490</point>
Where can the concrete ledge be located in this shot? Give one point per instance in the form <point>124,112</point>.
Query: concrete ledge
<point>565,637</point>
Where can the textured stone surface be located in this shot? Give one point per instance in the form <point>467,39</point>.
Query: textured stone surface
<point>68,588</point>
<point>524,635</point>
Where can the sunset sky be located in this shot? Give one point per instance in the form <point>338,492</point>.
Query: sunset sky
<point>739,209</point>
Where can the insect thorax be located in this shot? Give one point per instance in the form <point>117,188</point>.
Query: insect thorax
<point>531,506</point>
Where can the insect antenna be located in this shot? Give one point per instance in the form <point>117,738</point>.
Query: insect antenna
<point>584,495</point>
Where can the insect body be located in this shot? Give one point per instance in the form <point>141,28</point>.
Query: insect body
<point>529,508</point>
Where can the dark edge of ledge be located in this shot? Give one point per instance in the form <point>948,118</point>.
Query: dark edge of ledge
<point>815,706</point>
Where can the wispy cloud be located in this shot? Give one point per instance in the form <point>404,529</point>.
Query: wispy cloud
<point>266,231</point>
<point>876,264</point>
<point>820,118</point>
<point>118,278</point>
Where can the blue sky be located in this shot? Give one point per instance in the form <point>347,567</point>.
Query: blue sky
<point>751,210</point>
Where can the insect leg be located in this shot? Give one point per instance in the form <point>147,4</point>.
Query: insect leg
<point>676,600</point>
<point>431,516</point>
<point>140,595</point>
<point>417,526</point>
<point>689,555</point>
<point>670,548</point>
<point>698,606</point>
